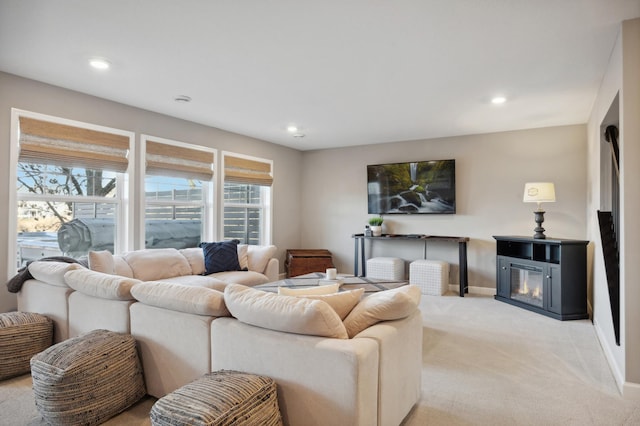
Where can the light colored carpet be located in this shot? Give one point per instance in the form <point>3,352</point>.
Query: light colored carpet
<point>484,363</point>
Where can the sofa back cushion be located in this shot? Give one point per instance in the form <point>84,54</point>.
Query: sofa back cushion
<point>52,272</point>
<point>156,264</point>
<point>99,284</point>
<point>283,313</point>
<point>182,298</point>
<point>342,302</point>
<point>259,256</point>
<point>195,257</point>
<point>385,305</point>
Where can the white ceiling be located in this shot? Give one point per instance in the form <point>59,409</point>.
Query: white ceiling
<point>347,72</point>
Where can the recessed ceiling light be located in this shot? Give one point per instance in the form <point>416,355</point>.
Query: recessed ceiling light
<point>99,63</point>
<point>292,129</point>
<point>182,99</point>
<point>498,100</point>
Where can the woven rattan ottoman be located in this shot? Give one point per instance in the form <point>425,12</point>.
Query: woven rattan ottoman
<point>87,379</point>
<point>22,335</point>
<point>220,398</point>
<point>386,268</point>
<point>432,276</point>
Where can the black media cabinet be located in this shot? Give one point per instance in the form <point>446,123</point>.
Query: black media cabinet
<point>547,276</point>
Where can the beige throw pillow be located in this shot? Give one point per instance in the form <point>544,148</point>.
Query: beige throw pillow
<point>283,313</point>
<point>385,305</point>
<point>182,298</point>
<point>101,261</point>
<point>342,302</point>
<point>306,291</point>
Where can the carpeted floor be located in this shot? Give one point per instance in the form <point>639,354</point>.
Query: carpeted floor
<point>484,363</point>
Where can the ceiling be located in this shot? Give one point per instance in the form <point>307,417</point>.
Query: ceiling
<point>346,72</point>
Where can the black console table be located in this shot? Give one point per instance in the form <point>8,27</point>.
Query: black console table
<point>360,256</point>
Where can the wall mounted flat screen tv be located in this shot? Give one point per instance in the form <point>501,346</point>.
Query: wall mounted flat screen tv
<point>417,187</point>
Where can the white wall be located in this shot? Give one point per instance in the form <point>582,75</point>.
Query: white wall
<point>30,95</point>
<point>621,78</point>
<point>491,171</point>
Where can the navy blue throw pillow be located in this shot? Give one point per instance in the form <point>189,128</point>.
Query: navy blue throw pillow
<point>220,257</point>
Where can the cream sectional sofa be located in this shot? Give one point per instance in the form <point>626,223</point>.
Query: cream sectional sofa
<point>336,359</point>
<point>75,310</point>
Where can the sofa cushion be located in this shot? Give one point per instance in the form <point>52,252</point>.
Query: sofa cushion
<point>220,256</point>
<point>195,257</point>
<point>259,256</point>
<point>385,305</point>
<point>319,289</point>
<point>249,278</point>
<point>121,267</point>
<point>155,264</point>
<point>342,302</point>
<point>197,281</point>
<point>101,261</point>
<point>52,272</point>
<point>99,284</point>
<point>283,313</point>
<point>182,298</point>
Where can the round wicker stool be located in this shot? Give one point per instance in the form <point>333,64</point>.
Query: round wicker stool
<point>220,398</point>
<point>22,335</point>
<point>87,379</point>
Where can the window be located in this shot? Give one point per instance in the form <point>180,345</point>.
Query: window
<point>70,179</point>
<point>178,192</point>
<point>247,199</point>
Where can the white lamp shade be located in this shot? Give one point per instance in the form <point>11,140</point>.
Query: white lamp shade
<point>539,192</point>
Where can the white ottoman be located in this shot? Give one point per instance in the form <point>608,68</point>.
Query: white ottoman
<point>432,276</point>
<point>386,268</point>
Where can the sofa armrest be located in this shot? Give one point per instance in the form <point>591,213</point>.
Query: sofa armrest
<point>321,381</point>
<point>400,343</point>
<point>272,271</point>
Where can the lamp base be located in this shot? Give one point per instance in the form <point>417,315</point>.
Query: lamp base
<point>539,230</point>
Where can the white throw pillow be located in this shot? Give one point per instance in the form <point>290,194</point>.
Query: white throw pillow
<point>305,291</point>
<point>342,302</point>
<point>283,313</point>
<point>156,264</point>
<point>182,298</point>
<point>101,261</point>
<point>52,272</point>
<point>385,305</point>
<point>99,284</point>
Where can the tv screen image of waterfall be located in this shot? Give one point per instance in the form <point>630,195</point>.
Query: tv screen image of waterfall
<point>414,187</point>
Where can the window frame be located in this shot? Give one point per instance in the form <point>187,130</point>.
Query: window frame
<point>124,183</point>
<point>266,230</point>
<point>208,190</point>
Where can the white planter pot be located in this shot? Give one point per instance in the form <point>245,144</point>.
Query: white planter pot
<point>376,231</point>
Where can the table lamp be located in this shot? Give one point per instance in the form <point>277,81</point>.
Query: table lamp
<point>539,192</point>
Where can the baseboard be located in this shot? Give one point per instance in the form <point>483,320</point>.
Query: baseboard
<point>611,360</point>
<point>482,291</point>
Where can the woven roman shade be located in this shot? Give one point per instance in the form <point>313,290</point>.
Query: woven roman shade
<point>45,142</point>
<point>178,161</point>
<point>247,171</point>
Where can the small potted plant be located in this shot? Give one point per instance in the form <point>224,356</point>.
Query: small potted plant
<point>376,226</point>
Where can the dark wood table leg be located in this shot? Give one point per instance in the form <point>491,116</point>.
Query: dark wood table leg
<point>464,278</point>
<point>363,261</point>
<point>355,257</point>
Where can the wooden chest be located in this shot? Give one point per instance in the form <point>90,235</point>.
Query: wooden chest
<point>304,261</point>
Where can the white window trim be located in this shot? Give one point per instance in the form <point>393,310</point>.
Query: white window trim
<point>266,205</point>
<point>124,235</point>
<point>208,190</point>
